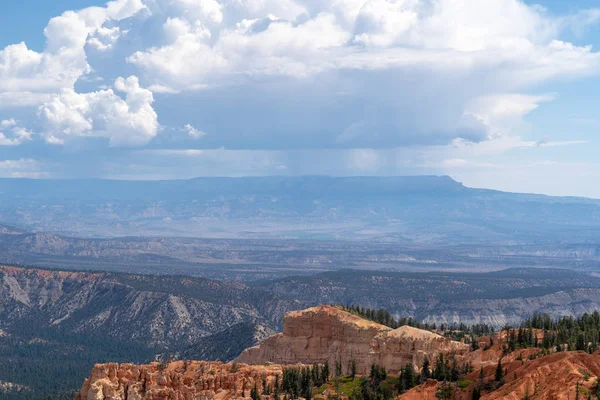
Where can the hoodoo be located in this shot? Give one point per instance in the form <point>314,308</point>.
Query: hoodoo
<point>177,380</point>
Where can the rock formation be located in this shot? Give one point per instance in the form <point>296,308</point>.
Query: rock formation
<point>180,380</point>
<point>553,377</point>
<point>328,334</point>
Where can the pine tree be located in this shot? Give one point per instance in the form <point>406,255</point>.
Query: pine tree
<point>254,393</point>
<point>474,344</point>
<point>499,372</point>
<point>338,367</point>
<point>276,388</point>
<point>476,393</point>
<point>444,391</point>
<point>401,386</point>
<point>425,371</point>
<point>325,372</point>
<point>408,376</point>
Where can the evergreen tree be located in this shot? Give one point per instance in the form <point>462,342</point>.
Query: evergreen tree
<point>264,385</point>
<point>474,344</point>
<point>338,367</point>
<point>325,371</point>
<point>476,393</point>
<point>409,380</point>
<point>353,369</point>
<point>254,393</point>
<point>276,388</point>
<point>444,391</point>
<point>425,371</point>
<point>499,372</point>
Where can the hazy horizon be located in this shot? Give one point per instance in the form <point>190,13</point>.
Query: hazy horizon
<point>151,179</point>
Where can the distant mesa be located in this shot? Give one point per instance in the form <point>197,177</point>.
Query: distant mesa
<point>407,209</point>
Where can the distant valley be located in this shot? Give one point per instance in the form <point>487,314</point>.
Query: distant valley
<point>409,210</point>
<point>251,260</point>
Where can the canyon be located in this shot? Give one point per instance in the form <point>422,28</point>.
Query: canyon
<point>55,324</point>
<point>327,334</point>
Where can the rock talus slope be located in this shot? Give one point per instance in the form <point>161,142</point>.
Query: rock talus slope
<point>327,334</point>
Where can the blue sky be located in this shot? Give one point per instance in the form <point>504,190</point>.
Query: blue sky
<point>24,20</point>
<point>500,95</point>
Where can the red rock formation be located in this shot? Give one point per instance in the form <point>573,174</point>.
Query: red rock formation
<point>175,381</point>
<point>329,334</point>
<point>553,377</point>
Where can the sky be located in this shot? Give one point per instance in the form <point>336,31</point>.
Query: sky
<point>499,94</point>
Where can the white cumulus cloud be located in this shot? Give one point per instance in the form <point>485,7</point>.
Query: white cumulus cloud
<point>24,71</point>
<point>193,132</point>
<point>125,122</point>
<point>452,78</point>
<point>11,134</point>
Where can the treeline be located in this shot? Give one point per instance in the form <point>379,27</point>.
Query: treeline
<point>296,382</point>
<point>383,317</point>
<point>375,387</point>
<point>300,382</point>
<point>563,333</point>
<point>446,369</point>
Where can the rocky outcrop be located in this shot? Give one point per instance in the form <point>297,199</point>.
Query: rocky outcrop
<point>316,335</point>
<point>328,334</point>
<point>556,376</point>
<point>553,377</point>
<point>175,381</point>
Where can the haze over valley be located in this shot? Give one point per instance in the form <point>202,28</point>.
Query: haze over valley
<point>406,210</point>
<point>480,257</point>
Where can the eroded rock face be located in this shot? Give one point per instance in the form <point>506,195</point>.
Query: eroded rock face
<point>328,334</point>
<point>553,377</point>
<point>180,380</point>
<point>316,335</point>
